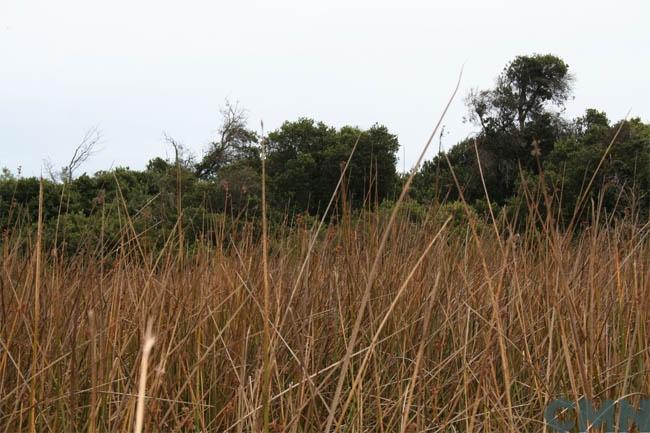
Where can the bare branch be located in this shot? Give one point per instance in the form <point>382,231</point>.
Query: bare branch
<point>84,150</point>
<point>234,140</point>
<point>182,155</point>
<point>50,170</point>
<point>234,120</point>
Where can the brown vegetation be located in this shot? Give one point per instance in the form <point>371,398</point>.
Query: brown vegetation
<point>446,323</point>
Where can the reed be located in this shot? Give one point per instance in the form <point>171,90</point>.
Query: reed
<point>373,321</point>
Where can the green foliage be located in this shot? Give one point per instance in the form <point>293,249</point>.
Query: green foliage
<point>524,154</point>
<point>304,164</point>
<point>461,216</point>
<point>19,200</point>
<point>435,181</point>
<point>523,134</point>
<point>523,91</point>
<point>519,127</point>
<point>305,160</point>
<point>410,210</point>
<point>623,179</point>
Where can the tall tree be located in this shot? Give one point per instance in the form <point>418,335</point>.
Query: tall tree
<point>520,121</point>
<point>520,118</point>
<point>525,90</point>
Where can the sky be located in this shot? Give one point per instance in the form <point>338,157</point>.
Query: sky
<point>138,69</point>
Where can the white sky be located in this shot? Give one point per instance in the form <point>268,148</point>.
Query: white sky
<point>136,69</point>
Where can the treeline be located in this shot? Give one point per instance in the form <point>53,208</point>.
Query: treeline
<point>304,162</point>
<point>528,157</point>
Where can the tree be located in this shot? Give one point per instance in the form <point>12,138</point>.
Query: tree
<point>520,117</point>
<point>305,159</point>
<point>520,122</point>
<point>435,182</point>
<point>296,165</point>
<point>235,141</point>
<point>523,91</point>
<point>623,179</point>
<point>6,175</point>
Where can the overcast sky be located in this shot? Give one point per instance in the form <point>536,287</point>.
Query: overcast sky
<point>136,69</point>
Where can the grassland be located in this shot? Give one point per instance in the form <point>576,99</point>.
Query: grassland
<point>374,322</point>
<point>443,328</point>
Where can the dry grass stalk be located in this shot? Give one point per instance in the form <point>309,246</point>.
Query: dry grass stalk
<point>147,345</point>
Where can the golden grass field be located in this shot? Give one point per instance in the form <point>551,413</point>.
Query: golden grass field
<point>458,330</point>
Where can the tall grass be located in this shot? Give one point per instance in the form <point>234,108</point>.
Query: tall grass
<point>373,323</point>
<point>570,311</point>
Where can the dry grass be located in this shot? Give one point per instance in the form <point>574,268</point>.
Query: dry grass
<point>572,314</point>
<point>372,324</point>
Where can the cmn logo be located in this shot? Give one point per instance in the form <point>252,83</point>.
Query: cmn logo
<point>589,417</point>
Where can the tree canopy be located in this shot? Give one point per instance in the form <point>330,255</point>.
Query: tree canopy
<point>520,122</point>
